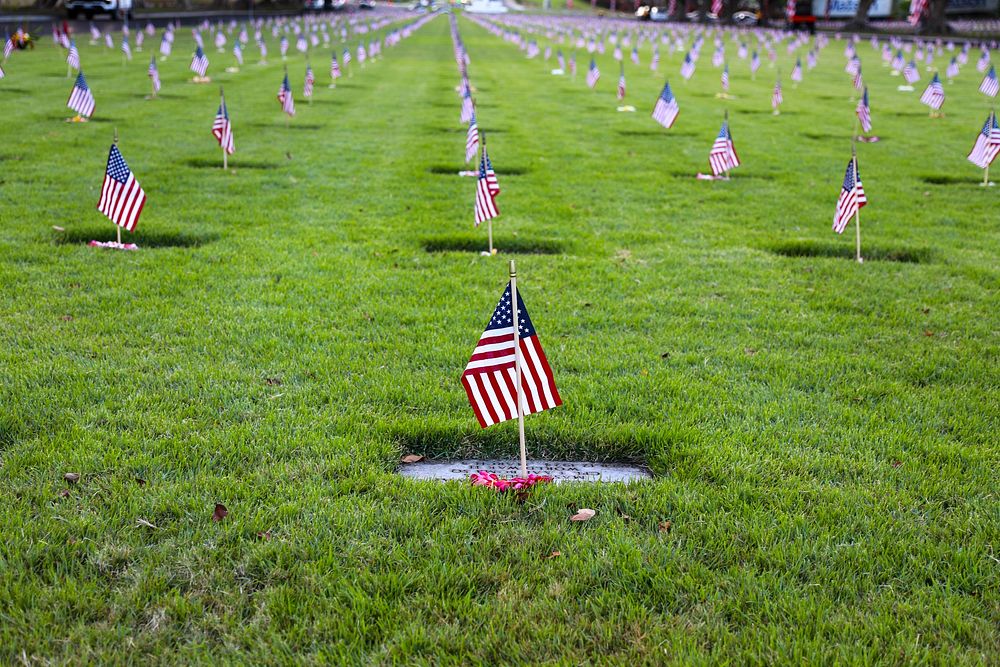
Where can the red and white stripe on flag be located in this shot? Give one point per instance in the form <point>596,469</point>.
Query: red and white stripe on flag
<point>490,376</point>
<point>122,198</point>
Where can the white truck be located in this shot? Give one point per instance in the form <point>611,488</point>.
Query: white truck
<point>120,9</point>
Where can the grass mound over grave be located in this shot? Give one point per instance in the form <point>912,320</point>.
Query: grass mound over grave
<point>823,434</point>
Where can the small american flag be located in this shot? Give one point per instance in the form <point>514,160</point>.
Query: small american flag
<point>864,112</point>
<point>126,49</point>
<point>561,59</point>
<point>618,54</point>
<point>81,100</point>
<point>716,7</point>
<point>307,91</point>
<point>911,73</point>
<point>154,74</point>
<point>285,97</point>
<point>346,56</point>
<point>73,57</point>
<point>687,67</point>
<point>165,46</point>
<point>725,78</point>
<point>490,376</point>
<point>635,55</point>
<point>989,86</point>
<point>471,140</point>
<point>917,8</point>
<point>467,106</point>
<point>723,156</point>
<point>621,84</point>
<point>108,42</point>
<point>776,97</point>
<point>987,144</point>
<point>122,198</point>
<point>754,63</point>
<point>222,129</point>
<point>486,206</point>
<point>853,65</point>
<point>934,94</point>
<point>790,10</point>
<point>2,73</point>
<point>952,70</point>
<point>654,62</point>
<point>796,74</point>
<point>199,63</point>
<point>593,74</point>
<point>334,68</point>
<point>491,176</point>
<point>238,52</point>
<point>666,109</point>
<point>984,61</point>
<point>283,46</point>
<point>852,197</point>
<point>8,47</point>
<point>897,60</point>
<point>362,54</point>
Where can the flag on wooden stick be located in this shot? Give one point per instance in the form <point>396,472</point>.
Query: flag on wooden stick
<point>81,100</point>
<point>222,129</point>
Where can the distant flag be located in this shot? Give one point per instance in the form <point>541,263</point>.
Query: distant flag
<point>666,109</point>
<point>165,46</point>
<point>8,47</point>
<point>593,74</point>
<point>222,128</point>
<point>852,197</point>
<point>486,206</point>
<point>73,57</point>
<point>2,73</point>
<point>122,198</point>
<point>897,60</point>
<point>310,81</point>
<point>346,56</point>
<point>796,74</point>
<point>467,107</point>
<point>334,67</point>
<point>300,44</point>
<point>81,100</point>
<point>126,49</point>
<point>723,156</point>
<point>635,55</point>
<point>238,52</point>
<point>362,54</point>
<point>859,81</point>
<point>716,7</point>
<point>561,59</point>
<point>790,10</point>
<point>864,112</point>
<point>989,86</point>
<point>572,64</point>
<point>987,144</point>
<point>917,8</point>
<point>283,46</point>
<point>984,61</point>
<point>285,97</point>
<point>471,139</point>
<point>621,84</point>
<point>687,67</point>
<point>911,73</point>
<point>154,75</point>
<point>492,183</point>
<point>199,63</point>
<point>934,94</point>
<point>108,42</point>
<point>490,376</point>
<point>754,63</point>
<point>725,78</point>
<point>776,97</point>
<point>811,59</point>
<point>654,62</point>
<point>952,70</point>
<point>618,54</point>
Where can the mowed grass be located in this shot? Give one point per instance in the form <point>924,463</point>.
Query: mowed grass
<point>823,434</point>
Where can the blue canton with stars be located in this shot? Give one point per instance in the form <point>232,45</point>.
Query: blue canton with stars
<point>117,169</point>
<point>503,317</point>
<point>81,83</point>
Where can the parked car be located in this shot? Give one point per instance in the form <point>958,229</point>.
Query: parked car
<point>121,9</point>
<point>324,5</point>
<point>366,4</point>
<point>649,13</point>
<point>745,18</point>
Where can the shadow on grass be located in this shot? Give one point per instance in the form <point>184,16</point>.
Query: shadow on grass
<point>734,175</point>
<point>653,133</point>
<point>200,163</point>
<point>144,239</point>
<point>69,114</point>
<point>16,91</point>
<point>445,170</point>
<point>821,136</point>
<point>462,129</point>
<point>846,251</point>
<point>281,126</point>
<point>942,179</point>
<point>477,244</point>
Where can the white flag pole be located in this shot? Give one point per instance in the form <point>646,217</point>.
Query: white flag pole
<point>517,369</point>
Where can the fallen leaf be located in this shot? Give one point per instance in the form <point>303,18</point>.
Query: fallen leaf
<point>928,333</point>
<point>625,517</point>
<point>64,493</point>
<point>412,458</point>
<point>145,524</point>
<point>272,382</point>
<point>897,463</point>
<point>66,318</point>
<point>72,477</point>
<point>554,554</point>
<point>665,526</point>
<point>265,535</point>
<point>140,481</point>
<point>220,512</point>
<point>585,514</point>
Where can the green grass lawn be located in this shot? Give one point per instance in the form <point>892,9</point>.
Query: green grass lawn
<point>823,434</point>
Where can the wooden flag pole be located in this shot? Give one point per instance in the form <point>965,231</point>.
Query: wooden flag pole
<point>225,156</point>
<point>517,369</point>
<point>118,228</point>
<point>857,213</point>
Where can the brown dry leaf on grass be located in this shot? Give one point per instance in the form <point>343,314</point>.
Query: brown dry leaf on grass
<point>585,514</point>
<point>665,526</point>
<point>220,512</point>
<point>412,458</point>
<point>72,477</point>
<point>554,554</point>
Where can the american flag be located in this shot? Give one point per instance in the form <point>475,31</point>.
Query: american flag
<point>796,74</point>
<point>864,112</point>
<point>81,100</point>
<point>165,46</point>
<point>852,197</point>
<point>635,55</point>
<point>199,63</point>
<point>687,67</point>
<point>561,59</point>
<point>222,129</point>
<point>790,10</point>
<point>126,49</point>
<point>989,85</point>
<point>238,52</point>
<point>593,74</point>
<point>346,56</point>
<point>934,94</point>
<point>716,7</point>
<point>8,47</point>
<point>467,106</point>
<point>362,54</point>
<point>723,156</point>
<point>122,198</point>
<point>952,70</point>
<point>486,206</point>
<point>897,60</point>
<point>108,42</point>
<point>73,57</point>
<point>754,63</point>
<point>471,139</point>
<point>666,109</point>
<point>853,65</point>
<point>2,73</point>
<point>811,59</point>
<point>911,73</point>
<point>917,8</point>
<point>490,378</point>
<point>654,63</point>
<point>154,74</point>
<point>618,54</point>
<point>984,61</point>
<point>307,91</point>
<point>776,97</point>
<point>301,45</point>
<point>572,64</point>
<point>859,81</point>
<point>725,78</point>
<point>285,97</point>
<point>987,144</point>
<point>334,67</point>
<point>491,176</point>
<point>621,85</point>
<point>283,46</point>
